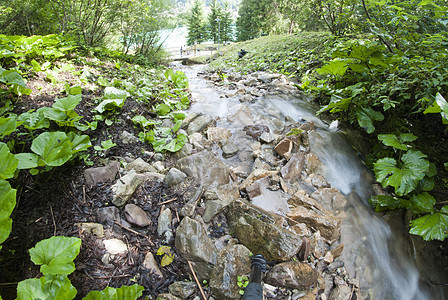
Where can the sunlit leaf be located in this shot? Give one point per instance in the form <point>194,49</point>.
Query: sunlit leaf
<point>54,148</point>
<point>423,203</point>
<point>335,68</point>
<point>46,287</point>
<point>432,226</point>
<point>123,293</point>
<point>7,204</point>
<point>8,162</point>
<point>366,117</point>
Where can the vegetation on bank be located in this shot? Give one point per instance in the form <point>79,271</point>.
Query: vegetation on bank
<point>84,93</point>
<point>396,98</point>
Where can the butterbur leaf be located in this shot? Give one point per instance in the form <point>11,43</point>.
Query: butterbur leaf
<point>101,81</point>
<point>366,116</point>
<point>36,66</point>
<point>46,287</point>
<point>27,160</point>
<point>7,126</point>
<point>79,142</point>
<point>7,204</point>
<point>397,142</point>
<point>382,202</point>
<point>8,162</point>
<point>54,148</point>
<point>68,103</point>
<point>56,254</point>
<point>110,104</point>
<point>124,293</point>
<point>114,93</point>
<point>162,109</point>
<point>423,203</point>
<point>335,68</point>
<point>431,227</point>
<point>403,178</point>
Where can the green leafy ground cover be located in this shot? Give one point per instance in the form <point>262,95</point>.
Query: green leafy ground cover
<point>398,101</point>
<point>56,103</point>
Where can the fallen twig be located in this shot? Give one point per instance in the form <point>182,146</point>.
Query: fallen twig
<point>54,222</point>
<point>167,201</point>
<point>197,281</point>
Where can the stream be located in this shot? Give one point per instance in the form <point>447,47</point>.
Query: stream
<point>377,251</point>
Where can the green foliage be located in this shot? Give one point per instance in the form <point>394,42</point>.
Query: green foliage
<point>105,145</point>
<point>113,98</point>
<point>55,287</point>
<point>123,293</point>
<point>432,226</point>
<point>242,282</point>
<point>196,24</point>
<point>7,204</point>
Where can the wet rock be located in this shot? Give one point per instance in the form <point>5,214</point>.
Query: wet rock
<point>140,166</point>
<point>217,134</point>
<point>313,163</point>
<point>186,150</point>
<point>94,228</point>
<point>255,131</point>
<point>246,98</point>
<point>193,244</point>
<point>330,198</point>
<point>174,177</point>
<point>341,292</point>
<point>136,215</point>
<point>240,114</point>
<point>321,220</point>
<point>267,77</point>
<point>182,289</point>
<point>253,190</point>
<point>108,214</point>
<point>125,187</point>
<point>292,171</point>
<point>257,230</point>
<point>267,137</point>
<point>189,118</point>
<point>212,208</point>
<point>293,275</point>
<point>318,181</point>
<point>337,251</point>
<point>150,264</point>
<point>256,175</point>
<point>128,138</point>
<point>305,249</point>
<point>301,229</point>
<point>199,124</point>
<point>284,148</point>
<point>229,149</point>
<point>226,193</point>
<point>204,167</point>
<point>115,246</point>
<point>164,226</point>
<point>318,245</point>
<point>233,261</point>
<point>93,176</point>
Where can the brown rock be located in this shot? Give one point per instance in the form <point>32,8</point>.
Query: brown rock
<point>284,148</point>
<point>136,215</point>
<point>94,176</point>
<point>336,252</point>
<point>253,190</point>
<point>256,175</point>
<point>292,171</point>
<point>218,134</point>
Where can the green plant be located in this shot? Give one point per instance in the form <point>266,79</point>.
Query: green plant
<point>242,282</point>
<point>105,145</point>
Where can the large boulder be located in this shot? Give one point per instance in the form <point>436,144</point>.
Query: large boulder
<point>293,275</point>
<point>257,230</point>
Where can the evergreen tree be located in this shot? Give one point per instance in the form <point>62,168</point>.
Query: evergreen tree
<point>226,24</point>
<point>196,24</point>
<point>252,19</point>
<point>215,22</point>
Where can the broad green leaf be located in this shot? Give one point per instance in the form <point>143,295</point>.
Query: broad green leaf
<point>403,178</point>
<point>143,122</point>
<point>439,106</point>
<point>56,254</point>
<point>53,114</point>
<point>8,162</point>
<point>68,103</point>
<point>34,120</point>
<point>114,93</point>
<point>124,293</point>
<point>7,204</point>
<point>79,142</point>
<point>54,148</point>
<point>335,68</point>
<point>423,203</point>
<point>397,142</point>
<point>382,202</point>
<point>7,126</point>
<point>27,161</point>
<point>178,116</point>
<point>177,143</point>
<point>162,109</point>
<point>431,227</point>
<point>109,105</point>
<point>107,144</point>
<point>46,288</point>
<point>426,184</point>
<point>75,90</point>
<point>366,116</point>
<point>12,77</point>
<point>101,81</point>
<point>36,66</point>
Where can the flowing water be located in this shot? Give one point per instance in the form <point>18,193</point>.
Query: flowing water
<point>376,252</point>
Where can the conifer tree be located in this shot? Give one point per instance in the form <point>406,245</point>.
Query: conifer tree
<point>226,24</point>
<point>215,22</point>
<point>196,24</point>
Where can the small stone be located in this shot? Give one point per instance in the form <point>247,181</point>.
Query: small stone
<point>115,246</point>
<point>150,264</point>
<point>140,166</point>
<point>341,292</point>
<point>253,190</point>
<point>336,252</point>
<point>158,165</point>
<point>256,131</point>
<point>136,215</point>
<point>108,214</point>
<point>128,138</point>
<point>158,157</point>
<point>284,148</point>
<point>292,274</point>
<point>125,187</point>
<point>163,228</point>
<point>167,297</point>
<point>93,176</point>
<point>328,258</point>
<point>174,177</point>
<point>182,289</point>
<point>229,149</point>
<point>94,228</point>
<point>267,137</point>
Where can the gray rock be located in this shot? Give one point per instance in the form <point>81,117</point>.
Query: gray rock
<point>140,166</point>
<point>174,177</point>
<point>182,289</point>
<point>291,172</point>
<point>293,275</point>
<point>158,165</point>
<point>267,137</point>
<point>204,167</point>
<point>257,230</point>
<point>199,124</point>
<point>341,292</point>
<point>115,246</point>
<point>186,150</point>
<point>190,207</point>
<point>193,244</point>
<point>163,227</point>
<point>159,157</point>
<point>125,187</point>
<point>240,114</point>
<point>136,215</point>
<point>94,176</point>
<point>150,264</point>
<point>189,118</point>
<point>128,138</point>
<point>256,131</point>
<point>108,214</point>
<point>233,261</point>
<point>94,228</point>
<point>229,149</point>
<point>212,208</point>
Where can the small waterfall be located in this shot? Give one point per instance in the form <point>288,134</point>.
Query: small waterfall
<point>375,251</point>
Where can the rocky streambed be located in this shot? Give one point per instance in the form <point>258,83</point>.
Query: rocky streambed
<point>249,181</point>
